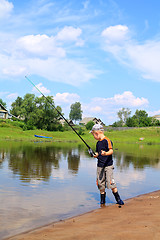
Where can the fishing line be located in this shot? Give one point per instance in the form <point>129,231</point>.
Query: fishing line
<point>91,152</point>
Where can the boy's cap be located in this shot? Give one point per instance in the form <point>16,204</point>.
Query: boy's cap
<point>97,127</point>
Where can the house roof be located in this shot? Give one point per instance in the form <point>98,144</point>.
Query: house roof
<point>86,120</point>
<point>62,121</point>
<point>3,111</point>
<point>157,117</point>
<point>2,108</point>
<point>94,119</point>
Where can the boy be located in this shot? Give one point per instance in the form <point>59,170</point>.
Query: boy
<point>104,151</point>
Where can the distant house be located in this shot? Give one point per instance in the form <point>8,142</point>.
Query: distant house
<point>62,121</point>
<point>85,120</point>
<point>4,114</point>
<point>157,117</point>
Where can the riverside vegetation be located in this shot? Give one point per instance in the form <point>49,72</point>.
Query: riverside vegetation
<point>13,131</point>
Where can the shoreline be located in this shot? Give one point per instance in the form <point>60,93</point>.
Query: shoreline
<point>139,218</point>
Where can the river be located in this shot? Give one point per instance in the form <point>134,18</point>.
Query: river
<point>44,182</point>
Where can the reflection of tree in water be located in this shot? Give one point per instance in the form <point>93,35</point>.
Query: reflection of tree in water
<point>34,163</point>
<point>2,156</point>
<point>73,160</point>
<point>124,160</point>
<point>37,162</point>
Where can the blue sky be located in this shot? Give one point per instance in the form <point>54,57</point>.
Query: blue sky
<point>103,53</point>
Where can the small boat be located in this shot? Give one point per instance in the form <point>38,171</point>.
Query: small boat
<point>41,136</point>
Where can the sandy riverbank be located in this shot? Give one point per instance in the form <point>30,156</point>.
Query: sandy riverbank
<point>138,219</point>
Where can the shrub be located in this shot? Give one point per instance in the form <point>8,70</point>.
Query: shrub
<point>89,125</point>
<point>81,131</point>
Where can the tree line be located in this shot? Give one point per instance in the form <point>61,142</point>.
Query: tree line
<point>139,119</point>
<point>37,112</point>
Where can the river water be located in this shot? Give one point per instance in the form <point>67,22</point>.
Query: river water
<point>44,182</point>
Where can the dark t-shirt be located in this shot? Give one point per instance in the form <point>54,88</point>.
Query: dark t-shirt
<point>105,144</point>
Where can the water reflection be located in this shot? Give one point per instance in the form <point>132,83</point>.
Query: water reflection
<point>2,156</point>
<point>46,182</point>
<point>124,160</point>
<point>37,163</point>
<point>33,163</point>
<point>73,160</point>
<point>140,156</point>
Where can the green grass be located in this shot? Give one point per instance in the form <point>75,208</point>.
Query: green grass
<point>151,135</point>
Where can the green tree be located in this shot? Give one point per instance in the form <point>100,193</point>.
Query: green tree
<point>75,112</point>
<point>38,112</point>
<point>141,119</point>
<point>28,108</point>
<point>3,103</point>
<point>155,122</point>
<point>117,124</point>
<point>16,107</point>
<point>89,125</point>
<point>123,114</point>
<point>48,115</point>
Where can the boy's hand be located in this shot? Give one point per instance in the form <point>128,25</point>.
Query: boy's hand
<point>91,152</point>
<point>95,155</point>
<point>103,153</point>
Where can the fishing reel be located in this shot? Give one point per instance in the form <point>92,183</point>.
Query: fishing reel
<point>91,152</point>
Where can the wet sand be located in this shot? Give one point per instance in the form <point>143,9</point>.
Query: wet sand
<point>138,219</point>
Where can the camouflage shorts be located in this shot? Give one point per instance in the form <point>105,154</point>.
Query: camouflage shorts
<point>105,178</point>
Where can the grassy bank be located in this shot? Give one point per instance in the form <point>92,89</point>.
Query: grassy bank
<point>149,135</point>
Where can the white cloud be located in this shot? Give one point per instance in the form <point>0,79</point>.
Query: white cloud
<point>144,57</point>
<point>96,109</point>
<point>129,100</point>
<point>40,45</point>
<point>3,94</point>
<point>107,108</point>
<point>6,8</point>
<point>12,96</point>
<point>41,55</point>
<point>43,89</point>
<point>79,43</point>
<point>61,70</point>
<point>69,33</point>
<point>14,70</point>
<point>65,70</point>
<point>152,113</point>
<point>116,34</point>
<point>126,99</point>
<point>65,98</point>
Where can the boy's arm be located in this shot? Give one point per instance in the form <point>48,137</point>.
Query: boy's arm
<point>110,152</point>
<point>103,153</point>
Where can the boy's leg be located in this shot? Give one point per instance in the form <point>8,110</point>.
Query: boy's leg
<point>101,184</point>
<point>111,184</point>
<point>103,198</point>
<point>117,197</point>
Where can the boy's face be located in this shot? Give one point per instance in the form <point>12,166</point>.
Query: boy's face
<point>95,135</point>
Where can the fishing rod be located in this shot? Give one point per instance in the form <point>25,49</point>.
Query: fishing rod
<point>91,152</point>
